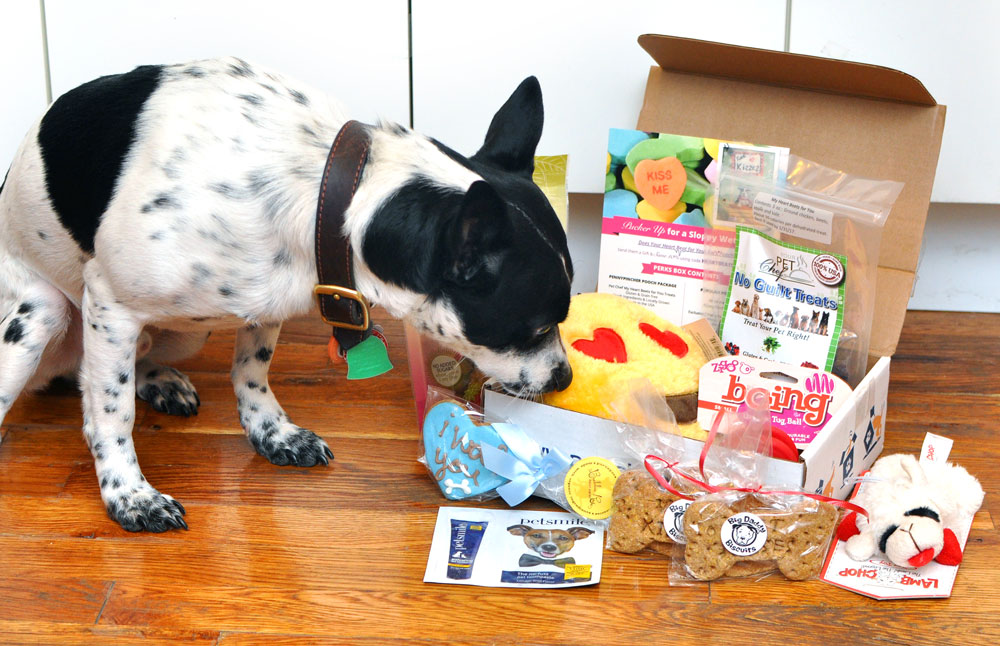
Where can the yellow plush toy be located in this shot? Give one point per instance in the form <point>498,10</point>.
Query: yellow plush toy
<point>610,342</point>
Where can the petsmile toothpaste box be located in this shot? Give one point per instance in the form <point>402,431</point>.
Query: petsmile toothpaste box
<point>500,548</point>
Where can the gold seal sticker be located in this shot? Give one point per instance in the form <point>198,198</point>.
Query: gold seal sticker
<point>588,486</point>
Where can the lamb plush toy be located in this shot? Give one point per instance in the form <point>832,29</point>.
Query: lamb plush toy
<point>914,509</point>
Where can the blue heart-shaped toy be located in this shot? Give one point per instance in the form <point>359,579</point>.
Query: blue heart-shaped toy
<point>452,444</point>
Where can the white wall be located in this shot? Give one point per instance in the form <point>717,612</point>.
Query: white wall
<point>358,51</point>
<point>469,56</point>
<point>22,68</point>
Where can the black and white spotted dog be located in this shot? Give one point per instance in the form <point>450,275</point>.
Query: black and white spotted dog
<point>147,208</point>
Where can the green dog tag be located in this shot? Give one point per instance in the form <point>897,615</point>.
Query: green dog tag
<point>368,359</point>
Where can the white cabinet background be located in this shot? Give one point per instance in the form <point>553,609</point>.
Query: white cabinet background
<point>22,68</point>
<point>466,57</point>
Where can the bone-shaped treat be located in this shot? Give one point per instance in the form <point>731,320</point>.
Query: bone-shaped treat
<point>725,534</point>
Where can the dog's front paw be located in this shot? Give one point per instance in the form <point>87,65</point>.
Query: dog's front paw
<point>284,443</point>
<point>167,391</point>
<point>144,509</point>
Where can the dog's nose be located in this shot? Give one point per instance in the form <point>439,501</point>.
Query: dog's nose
<point>563,377</point>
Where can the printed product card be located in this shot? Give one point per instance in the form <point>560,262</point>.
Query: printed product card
<point>785,302</point>
<point>514,549</point>
<point>658,202</point>
<point>801,400</point>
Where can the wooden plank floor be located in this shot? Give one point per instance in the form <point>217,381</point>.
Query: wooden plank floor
<point>336,555</point>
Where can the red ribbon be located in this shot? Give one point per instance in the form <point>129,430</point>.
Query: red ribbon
<point>648,462</point>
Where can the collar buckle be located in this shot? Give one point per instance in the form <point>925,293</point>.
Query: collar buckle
<point>338,293</point>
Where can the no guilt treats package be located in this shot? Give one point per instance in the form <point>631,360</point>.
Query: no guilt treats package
<point>800,283</point>
<point>786,301</point>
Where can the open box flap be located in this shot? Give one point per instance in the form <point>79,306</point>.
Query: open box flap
<point>867,120</point>
<point>787,70</point>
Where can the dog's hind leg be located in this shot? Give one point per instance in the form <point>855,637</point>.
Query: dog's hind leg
<point>110,335</point>
<point>267,426</point>
<point>33,314</point>
<point>166,389</point>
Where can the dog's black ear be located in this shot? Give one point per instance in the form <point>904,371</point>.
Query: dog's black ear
<point>515,130</point>
<point>477,236</point>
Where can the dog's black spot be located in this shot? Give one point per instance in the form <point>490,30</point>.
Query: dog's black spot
<point>104,482</point>
<point>160,202</point>
<point>226,291</point>
<point>123,377</point>
<point>282,259</point>
<point>15,331</point>
<point>93,326</point>
<point>241,68</point>
<point>299,97</point>
<point>440,330</point>
<point>254,408</point>
<point>121,440</point>
<point>84,139</point>
<point>99,455</point>
<point>116,484</point>
<point>43,235</point>
<point>308,131</point>
<point>264,354</point>
<point>269,88</point>
<point>252,385</point>
<point>132,460</point>
<point>252,99</point>
<point>25,308</point>
<point>223,188</point>
<point>201,273</point>
<point>252,119</point>
<point>158,235</point>
<point>194,71</point>
<point>112,392</point>
<point>109,409</point>
<point>263,389</point>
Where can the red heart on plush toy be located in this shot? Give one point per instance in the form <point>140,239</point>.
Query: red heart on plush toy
<point>665,338</point>
<point>606,346</point>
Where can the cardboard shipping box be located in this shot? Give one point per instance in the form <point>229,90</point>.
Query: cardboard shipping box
<point>867,120</point>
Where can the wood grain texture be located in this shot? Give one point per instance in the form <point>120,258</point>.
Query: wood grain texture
<point>335,556</point>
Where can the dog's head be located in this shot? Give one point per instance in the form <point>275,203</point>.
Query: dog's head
<point>550,543</point>
<point>470,251</point>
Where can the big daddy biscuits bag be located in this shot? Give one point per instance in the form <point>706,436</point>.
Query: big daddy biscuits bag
<point>793,266</point>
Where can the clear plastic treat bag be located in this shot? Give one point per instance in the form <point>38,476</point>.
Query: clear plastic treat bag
<point>793,278</point>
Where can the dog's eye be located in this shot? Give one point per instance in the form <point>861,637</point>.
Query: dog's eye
<point>562,538</point>
<point>536,535</point>
<point>542,331</point>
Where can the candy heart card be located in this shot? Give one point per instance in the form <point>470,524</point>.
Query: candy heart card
<point>658,202</point>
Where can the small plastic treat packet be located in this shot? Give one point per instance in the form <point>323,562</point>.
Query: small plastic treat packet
<point>471,459</point>
<point>740,529</point>
<point>794,280</point>
<point>644,514</point>
<point>454,432</point>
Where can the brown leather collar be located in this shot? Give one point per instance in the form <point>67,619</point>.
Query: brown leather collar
<point>340,303</point>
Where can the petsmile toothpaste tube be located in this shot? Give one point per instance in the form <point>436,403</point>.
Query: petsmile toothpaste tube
<point>466,535</point>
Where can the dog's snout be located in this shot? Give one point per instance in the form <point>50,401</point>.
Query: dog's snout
<point>560,378</point>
